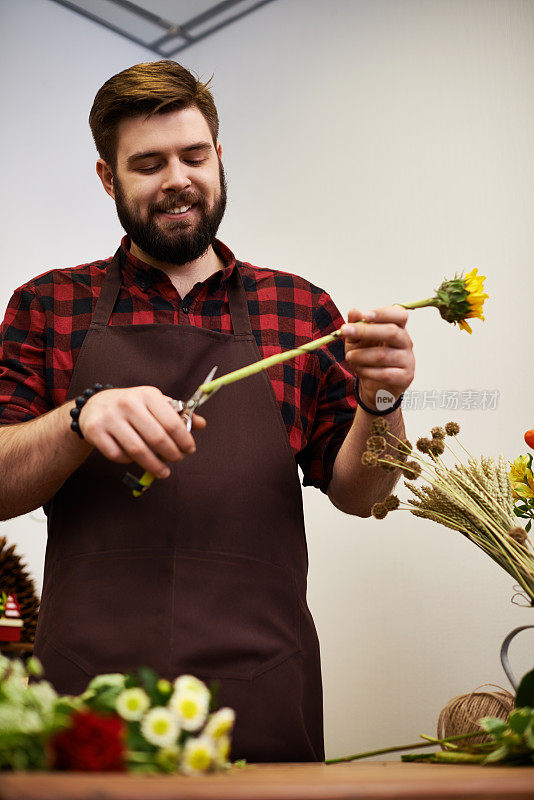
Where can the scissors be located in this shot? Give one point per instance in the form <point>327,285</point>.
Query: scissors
<point>186,409</point>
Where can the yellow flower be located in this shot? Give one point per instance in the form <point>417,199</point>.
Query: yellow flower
<point>474,285</point>
<point>518,468</point>
<point>521,478</point>
<point>457,299</point>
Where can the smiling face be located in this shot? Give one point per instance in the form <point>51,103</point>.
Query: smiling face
<point>168,185</point>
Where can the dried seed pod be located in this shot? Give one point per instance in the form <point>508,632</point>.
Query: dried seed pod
<point>423,445</point>
<point>452,428</point>
<point>369,459</point>
<point>518,534</point>
<point>379,510</point>
<point>379,426</point>
<point>387,463</point>
<point>436,447</point>
<point>438,432</point>
<point>405,447</point>
<point>392,502</point>
<point>411,470</point>
<point>376,443</point>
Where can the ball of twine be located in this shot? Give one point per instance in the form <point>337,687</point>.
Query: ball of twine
<point>461,714</point>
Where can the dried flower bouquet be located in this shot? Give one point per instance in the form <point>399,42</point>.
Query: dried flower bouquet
<point>474,498</point>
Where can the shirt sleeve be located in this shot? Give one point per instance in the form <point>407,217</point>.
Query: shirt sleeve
<point>23,390</point>
<point>336,403</point>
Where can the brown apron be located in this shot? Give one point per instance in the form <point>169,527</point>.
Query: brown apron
<point>206,573</point>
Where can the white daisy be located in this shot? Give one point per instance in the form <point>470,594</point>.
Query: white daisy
<point>190,684</point>
<point>132,703</point>
<point>191,708</point>
<point>222,749</point>
<point>220,723</point>
<point>198,755</point>
<point>160,727</point>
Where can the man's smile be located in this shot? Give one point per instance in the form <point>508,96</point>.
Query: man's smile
<point>178,212</point>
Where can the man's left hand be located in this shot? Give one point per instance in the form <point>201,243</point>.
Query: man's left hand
<point>379,351</point>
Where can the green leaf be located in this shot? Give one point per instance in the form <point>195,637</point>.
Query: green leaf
<point>500,754</point>
<point>131,680</point>
<point>149,681</point>
<point>519,720</point>
<point>528,525</point>
<point>525,691</point>
<point>493,725</point>
<point>106,700</point>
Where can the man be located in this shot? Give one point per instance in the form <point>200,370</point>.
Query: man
<point>206,573</point>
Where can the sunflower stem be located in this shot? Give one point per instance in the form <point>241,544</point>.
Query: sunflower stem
<point>430,301</point>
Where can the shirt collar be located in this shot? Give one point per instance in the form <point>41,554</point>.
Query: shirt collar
<point>145,275</point>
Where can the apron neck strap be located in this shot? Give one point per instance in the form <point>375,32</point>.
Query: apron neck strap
<point>237,300</point>
<point>109,293</point>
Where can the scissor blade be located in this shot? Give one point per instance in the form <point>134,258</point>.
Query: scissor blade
<point>200,397</point>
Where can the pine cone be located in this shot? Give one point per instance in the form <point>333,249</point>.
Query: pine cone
<point>15,579</point>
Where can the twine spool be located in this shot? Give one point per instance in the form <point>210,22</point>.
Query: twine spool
<point>461,714</point>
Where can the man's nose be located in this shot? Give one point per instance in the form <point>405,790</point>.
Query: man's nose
<point>175,176</point>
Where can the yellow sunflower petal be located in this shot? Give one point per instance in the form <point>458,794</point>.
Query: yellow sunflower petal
<point>464,326</point>
<point>474,285</point>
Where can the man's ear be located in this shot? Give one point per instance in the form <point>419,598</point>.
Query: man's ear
<point>106,176</point>
<point>219,149</point>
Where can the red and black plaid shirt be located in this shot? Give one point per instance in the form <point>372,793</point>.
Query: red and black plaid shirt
<point>47,319</point>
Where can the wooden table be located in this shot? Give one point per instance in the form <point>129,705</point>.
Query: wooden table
<point>372,781</point>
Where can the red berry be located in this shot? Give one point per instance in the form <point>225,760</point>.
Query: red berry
<point>529,438</point>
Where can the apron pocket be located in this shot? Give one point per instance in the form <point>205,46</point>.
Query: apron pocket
<point>110,611</point>
<point>233,616</point>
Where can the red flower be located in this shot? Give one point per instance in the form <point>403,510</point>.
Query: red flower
<point>93,742</point>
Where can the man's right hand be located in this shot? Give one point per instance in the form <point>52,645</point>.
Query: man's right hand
<point>140,425</point>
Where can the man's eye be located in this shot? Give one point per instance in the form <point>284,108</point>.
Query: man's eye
<point>152,168</point>
<point>194,161</point>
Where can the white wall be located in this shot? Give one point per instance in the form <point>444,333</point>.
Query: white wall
<point>373,146</point>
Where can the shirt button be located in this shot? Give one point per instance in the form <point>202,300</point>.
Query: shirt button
<point>185,309</point>
<point>144,285</point>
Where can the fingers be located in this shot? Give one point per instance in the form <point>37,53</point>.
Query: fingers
<point>139,425</point>
<point>396,315</point>
<point>379,349</point>
<point>366,334</point>
<point>198,422</point>
<point>379,357</point>
<point>138,451</point>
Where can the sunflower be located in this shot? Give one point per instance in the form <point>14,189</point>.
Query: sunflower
<point>458,299</point>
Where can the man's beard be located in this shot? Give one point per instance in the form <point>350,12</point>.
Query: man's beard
<point>177,244</point>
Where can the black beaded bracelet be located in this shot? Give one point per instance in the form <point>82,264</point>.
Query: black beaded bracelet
<point>372,411</point>
<point>80,402</point>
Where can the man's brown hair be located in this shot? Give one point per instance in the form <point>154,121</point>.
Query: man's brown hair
<point>151,88</point>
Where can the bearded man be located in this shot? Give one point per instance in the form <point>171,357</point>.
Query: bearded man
<point>206,573</point>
